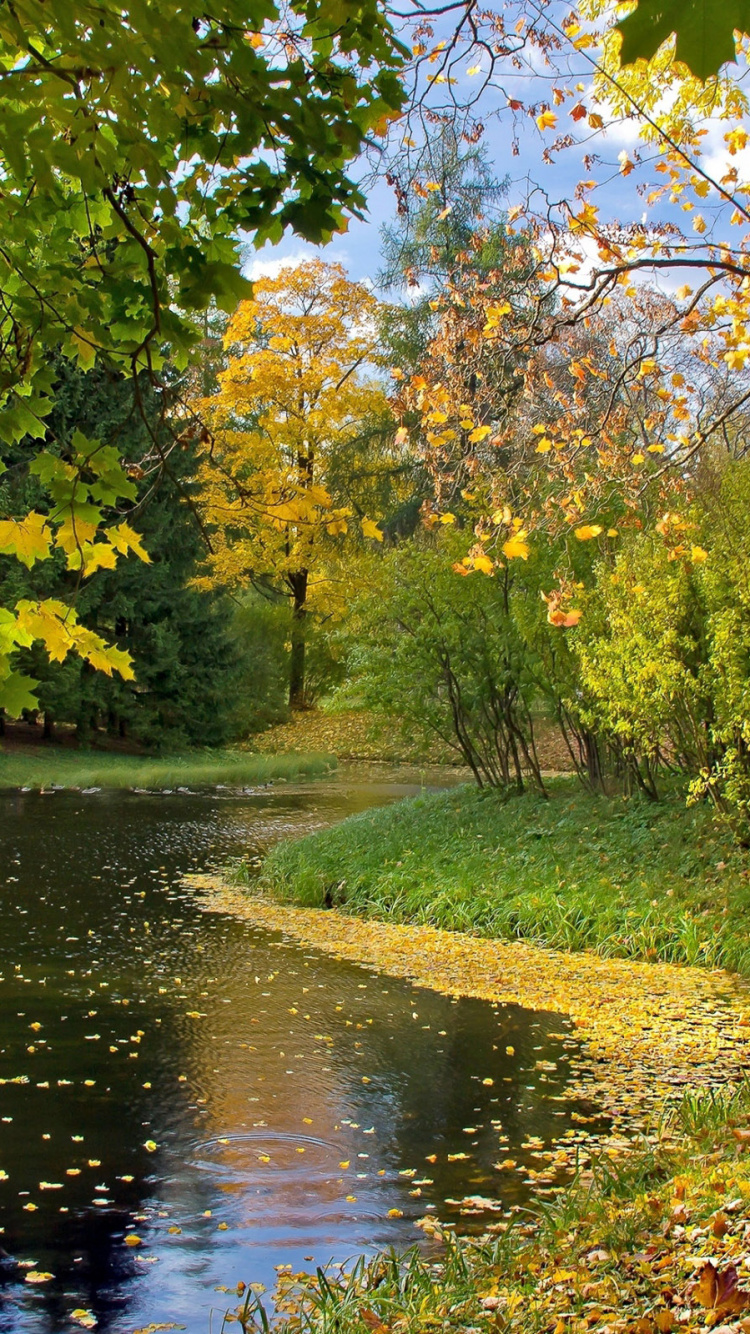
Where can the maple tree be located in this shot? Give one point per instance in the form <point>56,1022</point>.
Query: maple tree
<point>138,140</point>
<point>296,398</point>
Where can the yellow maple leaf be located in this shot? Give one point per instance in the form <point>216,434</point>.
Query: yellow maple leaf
<point>28,539</point>
<point>370,529</point>
<point>124,539</point>
<point>516,547</point>
<point>482,563</point>
<point>587,531</point>
<point>586,219</point>
<point>547,120</point>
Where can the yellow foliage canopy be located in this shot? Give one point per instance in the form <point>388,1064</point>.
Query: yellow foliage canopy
<point>292,404</point>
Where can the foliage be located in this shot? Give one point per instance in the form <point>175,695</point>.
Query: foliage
<point>642,654</point>
<point>567,366</point>
<point>703,31</point>
<point>449,660</point>
<point>293,419</point>
<point>455,223</point>
<point>626,879</point>
<point>137,141</point>
<point>186,666</point>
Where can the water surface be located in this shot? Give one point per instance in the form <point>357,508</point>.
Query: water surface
<point>234,1100</point>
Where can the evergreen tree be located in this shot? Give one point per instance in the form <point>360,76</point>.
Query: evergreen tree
<point>186,659</point>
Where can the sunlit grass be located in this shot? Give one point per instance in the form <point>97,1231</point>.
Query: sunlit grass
<point>628,879</point>
<point>39,769</point>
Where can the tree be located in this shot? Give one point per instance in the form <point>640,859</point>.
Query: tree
<point>138,141</point>
<point>180,640</point>
<point>449,659</point>
<point>292,405</point>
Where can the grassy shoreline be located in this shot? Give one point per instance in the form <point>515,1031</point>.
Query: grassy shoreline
<point>646,1242</point>
<point>628,879</point>
<point>47,769</point>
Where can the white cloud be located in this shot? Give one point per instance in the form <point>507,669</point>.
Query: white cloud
<point>268,262</point>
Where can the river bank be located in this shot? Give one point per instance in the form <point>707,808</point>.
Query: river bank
<point>653,1244</point>
<point>650,1234</point>
<point>630,879</point>
<point>46,768</point>
<point>649,1029</point>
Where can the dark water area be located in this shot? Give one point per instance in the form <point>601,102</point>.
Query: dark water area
<point>187,1102</point>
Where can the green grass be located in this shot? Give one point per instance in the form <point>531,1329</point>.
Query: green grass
<point>628,879</point>
<point>43,768</point>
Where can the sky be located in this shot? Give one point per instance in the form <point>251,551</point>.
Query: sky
<point>619,199</point>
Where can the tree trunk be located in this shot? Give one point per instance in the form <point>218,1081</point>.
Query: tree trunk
<point>298,584</point>
<point>49,726</point>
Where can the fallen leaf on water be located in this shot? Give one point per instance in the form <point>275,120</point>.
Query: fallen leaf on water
<point>83,1317</point>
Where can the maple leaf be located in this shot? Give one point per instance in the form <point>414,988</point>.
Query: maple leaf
<point>28,539</point>
<point>370,529</point>
<point>125,539</point>
<point>516,548</point>
<point>718,1290</point>
<point>565,619</point>
<point>704,31</point>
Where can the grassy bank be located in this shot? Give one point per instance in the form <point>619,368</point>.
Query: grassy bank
<point>47,767</point>
<point>627,879</point>
<point>650,1241</point>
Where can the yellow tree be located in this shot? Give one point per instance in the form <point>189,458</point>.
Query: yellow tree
<point>297,394</point>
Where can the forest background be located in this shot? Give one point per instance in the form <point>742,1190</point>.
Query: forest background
<point>506,484</point>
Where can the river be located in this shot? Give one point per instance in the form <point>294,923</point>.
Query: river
<point>187,1102</point>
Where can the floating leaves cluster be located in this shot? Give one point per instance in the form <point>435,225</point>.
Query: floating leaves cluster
<point>649,1029</point>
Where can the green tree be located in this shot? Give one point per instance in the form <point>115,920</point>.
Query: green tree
<point>138,141</point>
<point>180,640</point>
<point>446,655</point>
<point>451,219</point>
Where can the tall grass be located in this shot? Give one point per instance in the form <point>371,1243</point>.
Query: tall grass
<point>627,879</point>
<point>40,769</point>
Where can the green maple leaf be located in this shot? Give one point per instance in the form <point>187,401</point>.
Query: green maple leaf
<point>16,694</point>
<point>704,30</point>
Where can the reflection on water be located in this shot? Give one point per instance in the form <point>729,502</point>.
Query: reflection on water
<point>233,1101</point>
